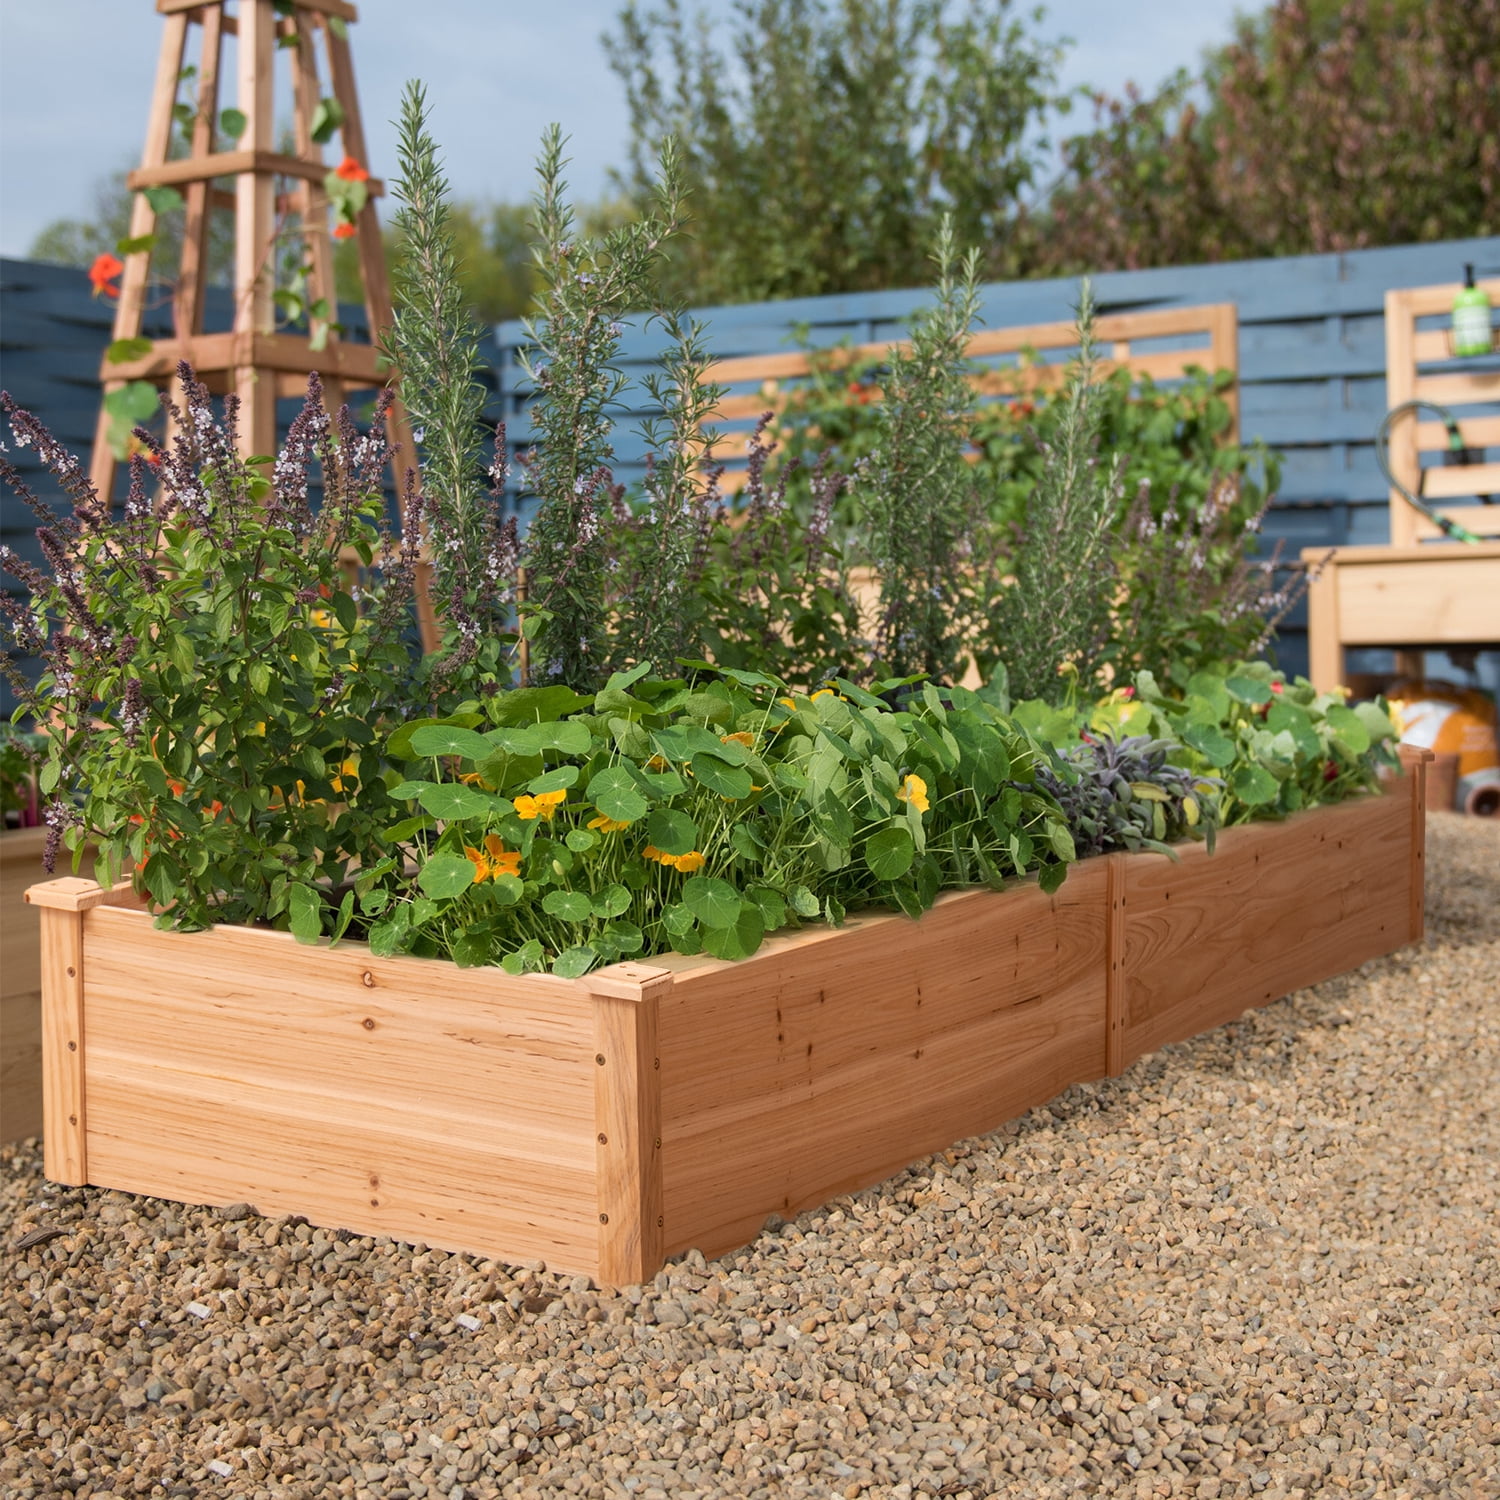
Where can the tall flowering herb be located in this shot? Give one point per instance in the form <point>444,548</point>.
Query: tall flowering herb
<point>1050,620</point>
<point>587,287</point>
<point>653,618</point>
<point>917,491</point>
<point>434,342</point>
<point>211,667</point>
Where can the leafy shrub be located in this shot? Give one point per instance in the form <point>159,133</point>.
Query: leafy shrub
<point>210,683</point>
<point>1279,746</point>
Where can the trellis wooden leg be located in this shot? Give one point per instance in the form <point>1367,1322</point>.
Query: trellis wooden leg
<point>130,310</point>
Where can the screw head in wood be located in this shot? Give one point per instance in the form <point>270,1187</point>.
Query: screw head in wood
<point>604,1218</point>
<point>599,1058</point>
<point>367,979</point>
<point>603,1139</point>
<point>368,1023</point>
<point>72,972</point>
<point>72,1046</point>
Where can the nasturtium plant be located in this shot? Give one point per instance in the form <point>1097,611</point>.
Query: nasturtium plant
<point>700,816</point>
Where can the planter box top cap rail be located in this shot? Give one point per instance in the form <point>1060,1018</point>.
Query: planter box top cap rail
<point>604,1123</point>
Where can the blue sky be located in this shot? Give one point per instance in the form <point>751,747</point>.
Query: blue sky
<point>75,80</point>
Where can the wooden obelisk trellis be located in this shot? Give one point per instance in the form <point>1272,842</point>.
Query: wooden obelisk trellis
<point>252,359</point>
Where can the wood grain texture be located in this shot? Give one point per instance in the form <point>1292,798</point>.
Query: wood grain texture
<point>832,1059</point>
<point>64,1106</point>
<point>21,870</point>
<point>392,1096</point>
<point>1414,764</point>
<point>1277,907</point>
<point>1410,356</point>
<point>627,1113</point>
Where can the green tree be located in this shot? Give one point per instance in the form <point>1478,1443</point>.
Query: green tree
<point>822,149</point>
<point>1324,125</point>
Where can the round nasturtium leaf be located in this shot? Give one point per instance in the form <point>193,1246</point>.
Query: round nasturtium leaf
<point>573,962</point>
<point>571,906</point>
<point>671,831</point>
<point>1254,785</point>
<point>889,853</point>
<point>714,902</point>
<point>614,792</point>
<point>1216,748</point>
<point>726,780</point>
<point>449,739</point>
<point>446,875</point>
<point>452,799</point>
<point>612,901</point>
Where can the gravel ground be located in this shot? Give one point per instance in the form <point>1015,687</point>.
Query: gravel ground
<point>1261,1263</point>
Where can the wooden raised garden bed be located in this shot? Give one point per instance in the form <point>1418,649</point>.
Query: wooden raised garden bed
<point>604,1123</point>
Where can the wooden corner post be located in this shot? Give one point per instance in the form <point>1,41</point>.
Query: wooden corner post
<point>62,905</point>
<point>627,1120</point>
<point>1116,998</point>
<point>1414,765</point>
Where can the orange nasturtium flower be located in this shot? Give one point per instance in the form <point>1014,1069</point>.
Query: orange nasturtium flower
<point>914,790</point>
<point>344,231</point>
<point>351,171</point>
<point>740,737</point>
<point>543,805</point>
<point>687,863</point>
<point>104,269</point>
<point>609,825</point>
<point>493,860</point>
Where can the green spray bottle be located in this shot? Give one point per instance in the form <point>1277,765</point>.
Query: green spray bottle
<point>1472,333</point>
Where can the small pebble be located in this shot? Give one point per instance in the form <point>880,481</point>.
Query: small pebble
<point>1261,1263</point>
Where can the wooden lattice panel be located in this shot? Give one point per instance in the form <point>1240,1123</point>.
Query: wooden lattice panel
<point>1420,366</point>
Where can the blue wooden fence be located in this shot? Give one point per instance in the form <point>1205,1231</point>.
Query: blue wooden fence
<point>1312,367</point>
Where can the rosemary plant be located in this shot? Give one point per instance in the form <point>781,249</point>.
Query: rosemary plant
<point>587,287</point>
<point>654,621</point>
<point>434,343</point>
<point>1049,623</point>
<point>919,502</point>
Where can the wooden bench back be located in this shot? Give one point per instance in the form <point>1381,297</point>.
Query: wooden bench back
<point>1420,366</point>
<point>762,382</point>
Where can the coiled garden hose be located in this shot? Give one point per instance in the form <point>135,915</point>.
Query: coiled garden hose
<point>1457,452</point>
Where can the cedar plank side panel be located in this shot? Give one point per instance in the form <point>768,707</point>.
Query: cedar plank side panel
<point>824,1065</point>
<point>1277,907</point>
<point>235,1065</point>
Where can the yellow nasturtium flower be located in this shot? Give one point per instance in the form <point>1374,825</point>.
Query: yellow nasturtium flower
<point>914,790</point>
<point>543,805</point>
<point>739,737</point>
<point>609,825</point>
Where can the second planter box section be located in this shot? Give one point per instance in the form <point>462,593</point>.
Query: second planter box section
<point>647,1108</point>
